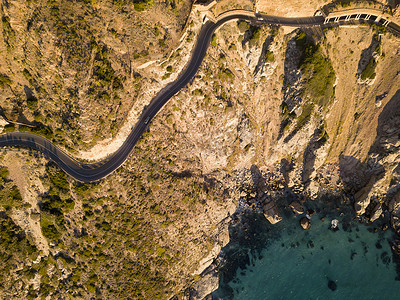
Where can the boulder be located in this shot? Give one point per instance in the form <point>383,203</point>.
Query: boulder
<point>296,207</point>
<point>335,225</point>
<point>305,223</point>
<point>271,212</point>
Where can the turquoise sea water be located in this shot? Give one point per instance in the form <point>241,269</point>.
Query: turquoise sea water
<point>354,262</point>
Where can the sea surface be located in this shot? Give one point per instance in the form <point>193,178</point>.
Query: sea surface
<point>284,261</point>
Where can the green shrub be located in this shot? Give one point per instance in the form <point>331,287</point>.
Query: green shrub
<point>162,43</point>
<point>57,178</point>
<point>4,172</point>
<point>319,75</point>
<point>8,32</point>
<point>369,71</point>
<point>10,197</point>
<point>103,71</point>
<point>255,36</point>
<point>32,103</point>
<point>214,40</point>
<point>49,230</point>
<point>39,129</point>
<point>9,128</point>
<point>269,56</point>
<point>345,4</point>
<point>243,26</point>
<point>226,75</point>
<point>13,243</point>
<point>301,40</point>
<point>15,195</point>
<point>304,116</point>
<point>166,76</point>
<point>4,81</point>
<point>141,5</point>
<point>82,189</point>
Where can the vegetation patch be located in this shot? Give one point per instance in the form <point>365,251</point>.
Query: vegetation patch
<point>318,84</point>
<point>243,26</point>
<point>305,116</point>
<point>55,203</point>
<point>32,103</point>
<point>139,5</point>
<point>225,75</point>
<point>214,40</point>
<point>14,246</point>
<point>4,172</point>
<point>103,71</point>
<point>255,33</point>
<point>370,55</point>
<point>39,129</point>
<point>10,196</point>
<point>319,76</point>
<point>269,56</point>
<point>8,32</point>
<point>369,71</point>
<point>4,81</point>
<point>49,230</point>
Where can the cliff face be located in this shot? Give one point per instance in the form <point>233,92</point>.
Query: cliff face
<point>314,112</point>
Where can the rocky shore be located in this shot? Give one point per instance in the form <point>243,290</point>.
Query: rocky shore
<point>267,198</point>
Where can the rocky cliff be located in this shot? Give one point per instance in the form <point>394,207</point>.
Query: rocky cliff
<point>271,110</point>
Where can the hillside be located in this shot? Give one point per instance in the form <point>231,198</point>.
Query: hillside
<point>272,110</point>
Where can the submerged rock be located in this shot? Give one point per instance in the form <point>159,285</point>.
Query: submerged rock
<point>305,223</point>
<point>310,212</point>
<point>332,285</point>
<point>296,207</point>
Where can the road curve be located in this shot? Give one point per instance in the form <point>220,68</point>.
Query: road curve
<point>95,171</point>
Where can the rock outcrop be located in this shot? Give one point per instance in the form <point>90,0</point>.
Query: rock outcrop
<point>205,285</point>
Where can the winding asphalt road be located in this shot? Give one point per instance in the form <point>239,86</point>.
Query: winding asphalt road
<point>95,171</point>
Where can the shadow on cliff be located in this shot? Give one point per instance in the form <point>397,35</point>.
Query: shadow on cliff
<point>386,143</point>
<point>317,140</point>
<point>388,129</point>
<point>257,178</point>
<point>291,95</point>
<point>355,174</point>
